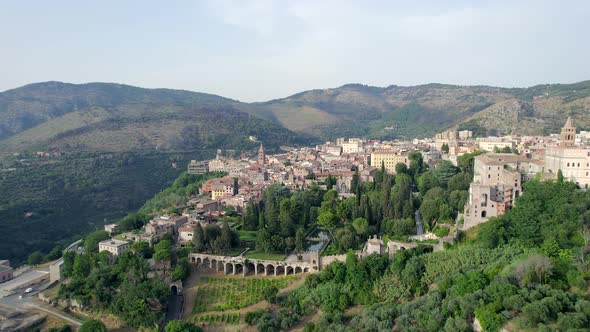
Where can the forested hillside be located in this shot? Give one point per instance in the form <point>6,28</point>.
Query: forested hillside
<point>423,110</point>
<point>107,148</point>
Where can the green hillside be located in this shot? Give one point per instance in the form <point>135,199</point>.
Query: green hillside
<point>116,147</point>
<point>398,112</point>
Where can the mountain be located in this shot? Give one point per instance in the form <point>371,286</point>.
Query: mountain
<point>110,147</point>
<point>397,111</point>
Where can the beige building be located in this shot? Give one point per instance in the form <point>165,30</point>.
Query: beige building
<point>389,158</point>
<point>115,247</point>
<point>198,167</point>
<point>572,160</point>
<point>490,143</point>
<point>6,272</point>
<point>497,182</point>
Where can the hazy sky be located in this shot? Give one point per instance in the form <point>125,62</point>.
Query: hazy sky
<point>259,50</point>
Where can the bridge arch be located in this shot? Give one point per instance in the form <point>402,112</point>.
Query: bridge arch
<point>260,268</point>
<point>298,269</point>
<point>289,270</point>
<point>280,270</point>
<point>270,270</point>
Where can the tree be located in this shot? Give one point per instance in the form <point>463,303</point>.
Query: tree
<point>360,226</point>
<point>270,294</point>
<point>92,240</point>
<point>300,240</point>
<point>163,250</point>
<point>92,326</point>
<point>445,148</point>
<point>181,326</point>
<point>401,168</point>
<point>327,220</point>
<point>444,172</point>
<point>225,238</point>
<point>55,253</point>
<point>35,258</point>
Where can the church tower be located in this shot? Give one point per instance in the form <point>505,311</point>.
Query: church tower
<point>261,155</point>
<point>568,133</point>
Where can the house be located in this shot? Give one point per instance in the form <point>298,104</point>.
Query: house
<point>112,228</point>
<point>6,272</point>
<point>115,247</point>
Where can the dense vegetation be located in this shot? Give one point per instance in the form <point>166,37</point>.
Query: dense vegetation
<point>120,286</point>
<point>45,202</point>
<point>528,267</point>
<point>386,206</point>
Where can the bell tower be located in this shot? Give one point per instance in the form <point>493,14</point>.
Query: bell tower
<point>261,155</point>
<point>568,133</point>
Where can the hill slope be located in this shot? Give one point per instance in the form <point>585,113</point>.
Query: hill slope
<point>117,146</point>
<point>358,110</point>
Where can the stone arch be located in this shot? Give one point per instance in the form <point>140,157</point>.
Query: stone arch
<point>229,268</point>
<point>289,270</point>
<point>402,248</point>
<point>250,268</point>
<point>270,270</point>
<point>214,264</point>
<point>484,213</point>
<point>238,268</point>
<point>305,270</point>
<point>260,268</point>
<point>206,262</point>
<point>174,289</point>
<point>298,270</point>
<point>280,270</point>
<point>193,260</point>
<point>220,266</point>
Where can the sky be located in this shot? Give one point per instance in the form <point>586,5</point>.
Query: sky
<point>257,50</point>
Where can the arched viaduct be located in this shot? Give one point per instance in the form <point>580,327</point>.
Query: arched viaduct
<point>248,266</point>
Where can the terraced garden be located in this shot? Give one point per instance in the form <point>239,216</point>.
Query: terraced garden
<point>221,294</point>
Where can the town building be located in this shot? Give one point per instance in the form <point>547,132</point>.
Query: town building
<point>389,158</point>
<point>114,246</point>
<point>6,271</point>
<point>573,160</point>
<point>497,182</point>
<point>492,143</point>
<point>198,167</point>
<point>112,228</point>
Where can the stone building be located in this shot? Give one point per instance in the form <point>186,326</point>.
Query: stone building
<point>115,247</point>
<point>6,272</point>
<point>572,160</point>
<point>198,167</point>
<point>497,182</point>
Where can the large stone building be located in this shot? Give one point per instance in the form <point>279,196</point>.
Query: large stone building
<point>572,160</point>
<point>115,247</point>
<point>389,158</point>
<point>198,167</point>
<point>497,182</point>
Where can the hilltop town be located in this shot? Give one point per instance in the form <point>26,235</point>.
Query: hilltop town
<point>225,226</point>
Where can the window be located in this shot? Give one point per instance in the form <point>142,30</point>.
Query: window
<point>568,164</point>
